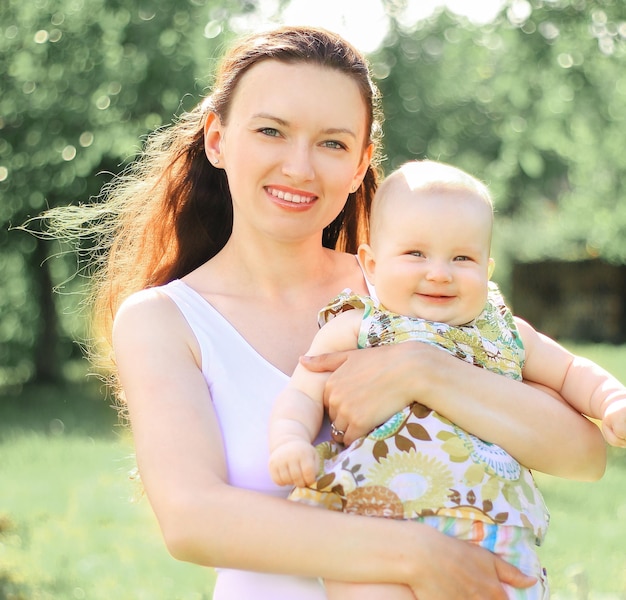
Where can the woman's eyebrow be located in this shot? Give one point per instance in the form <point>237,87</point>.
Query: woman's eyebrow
<point>270,117</point>
<point>336,130</point>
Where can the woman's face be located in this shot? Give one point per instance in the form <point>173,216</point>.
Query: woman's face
<point>294,146</point>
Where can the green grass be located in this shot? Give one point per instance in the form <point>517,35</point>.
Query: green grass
<point>72,528</point>
<point>585,549</point>
<point>71,524</point>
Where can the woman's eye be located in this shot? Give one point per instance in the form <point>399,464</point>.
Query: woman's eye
<point>334,144</point>
<point>269,131</point>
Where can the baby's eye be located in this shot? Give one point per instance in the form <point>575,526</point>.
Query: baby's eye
<point>462,258</point>
<point>417,253</point>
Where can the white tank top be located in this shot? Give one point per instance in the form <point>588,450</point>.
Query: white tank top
<point>243,386</point>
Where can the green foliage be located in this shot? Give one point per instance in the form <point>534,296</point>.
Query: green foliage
<point>535,104</point>
<point>82,81</point>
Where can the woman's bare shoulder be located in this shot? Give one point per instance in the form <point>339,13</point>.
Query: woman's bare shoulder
<point>149,313</point>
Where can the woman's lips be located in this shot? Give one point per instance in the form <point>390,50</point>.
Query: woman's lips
<point>293,197</point>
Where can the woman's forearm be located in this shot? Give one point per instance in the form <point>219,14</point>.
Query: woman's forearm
<point>230,527</point>
<point>543,433</point>
<point>540,431</point>
<point>236,528</point>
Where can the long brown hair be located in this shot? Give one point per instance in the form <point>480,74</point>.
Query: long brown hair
<point>171,210</point>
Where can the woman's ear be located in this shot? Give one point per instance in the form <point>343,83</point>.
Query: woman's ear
<point>366,257</point>
<point>362,169</point>
<point>213,138</point>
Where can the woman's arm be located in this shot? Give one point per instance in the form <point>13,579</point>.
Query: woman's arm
<point>541,432</point>
<point>206,521</point>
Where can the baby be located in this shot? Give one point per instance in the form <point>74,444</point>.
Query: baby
<point>429,260</point>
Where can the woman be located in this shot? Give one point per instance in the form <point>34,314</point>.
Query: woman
<point>228,224</point>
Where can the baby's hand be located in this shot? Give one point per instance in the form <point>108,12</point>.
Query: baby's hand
<point>294,463</point>
<point>614,423</point>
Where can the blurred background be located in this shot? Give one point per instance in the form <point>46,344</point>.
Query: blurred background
<point>528,95</point>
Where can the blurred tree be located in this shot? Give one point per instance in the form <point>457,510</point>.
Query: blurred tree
<point>82,81</point>
<point>535,104</point>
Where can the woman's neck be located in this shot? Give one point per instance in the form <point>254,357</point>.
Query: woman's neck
<point>275,268</point>
<point>272,295</point>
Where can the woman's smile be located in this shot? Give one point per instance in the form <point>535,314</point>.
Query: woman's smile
<point>292,197</point>
<point>298,134</point>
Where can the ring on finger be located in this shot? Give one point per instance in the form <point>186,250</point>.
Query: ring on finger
<point>335,431</point>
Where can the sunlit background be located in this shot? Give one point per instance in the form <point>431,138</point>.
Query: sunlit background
<point>528,95</point>
<point>364,23</point>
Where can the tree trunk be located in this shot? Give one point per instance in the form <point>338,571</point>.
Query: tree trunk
<point>46,351</point>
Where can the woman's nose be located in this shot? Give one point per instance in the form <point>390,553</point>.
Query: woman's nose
<point>298,163</point>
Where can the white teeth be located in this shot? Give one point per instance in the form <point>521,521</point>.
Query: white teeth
<point>295,198</point>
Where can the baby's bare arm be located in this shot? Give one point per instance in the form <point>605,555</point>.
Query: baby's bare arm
<point>299,410</point>
<point>586,386</point>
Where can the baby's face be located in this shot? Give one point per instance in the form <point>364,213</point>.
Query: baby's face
<point>430,254</point>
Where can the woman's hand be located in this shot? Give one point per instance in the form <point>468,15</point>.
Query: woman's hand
<point>368,386</point>
<point>360,379</point>
<point>459,581</point>
<point>458,569</point>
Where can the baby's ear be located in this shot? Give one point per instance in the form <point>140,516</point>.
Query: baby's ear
<point>491,267</point>
<point>365,255</point>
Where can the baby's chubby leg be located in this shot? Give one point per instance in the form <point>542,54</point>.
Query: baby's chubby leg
<point>341,590</point>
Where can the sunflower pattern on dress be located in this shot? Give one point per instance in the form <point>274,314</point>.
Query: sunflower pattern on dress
<point>418,463</point>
